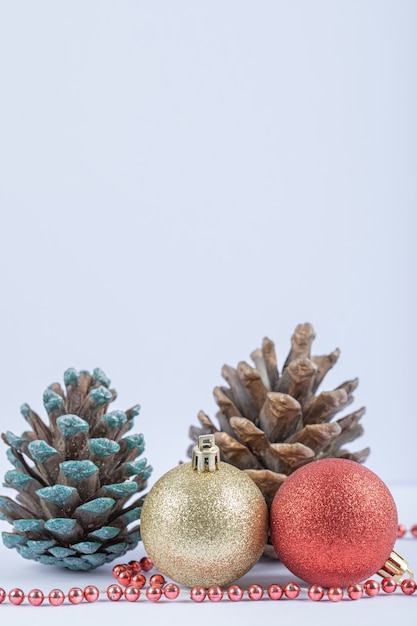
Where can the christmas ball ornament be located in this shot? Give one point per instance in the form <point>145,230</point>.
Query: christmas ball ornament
<point>204,523</point>
<point>271,422</point>
<point>75,477</point>
<point>334,523</point>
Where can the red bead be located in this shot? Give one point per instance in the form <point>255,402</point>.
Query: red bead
<point>292,590</point>
<point>135,567</point>
<point>124,578</point>
<point>2,595</point>
<point>132,593</point>
<point>388,585</point>
<point>408,586</point>
<point>235,593</point>
<point>355,592</point>
<point>75,595</point>
<point>16,596</point>
<point>138,580</point>
<point>114,592</point>
<point>118,569</point>
<point>414,530</point>
<point>215,593</point>
<point>315,593</point>
<point>154,593</point>
<point>146,563</point>
<point>275,592</point>
<point>255,592</point>
<point>56,597</point>
<point>401,531</point>
<point>171,591</point>
<point>157,580</point>
<point>371,588</point>
<point>36,597</point>
<point>91,593</point>
<point>197,593</point>
<point>335,594</point>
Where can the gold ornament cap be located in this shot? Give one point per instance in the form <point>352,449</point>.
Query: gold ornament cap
<point>206,455</point>
<point>395,567</point>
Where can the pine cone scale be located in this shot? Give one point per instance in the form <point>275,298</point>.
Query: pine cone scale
<point>271,365</point>
<point>316,436</point>
<point>235,452</point>
<point>242,400</point>
<point>227,407</point>
<point>323,408</point>
<point>324,364</point>
<point>257,442</point>
<point>254,385</point>
<point>280,416</point>
<point>301,343</point>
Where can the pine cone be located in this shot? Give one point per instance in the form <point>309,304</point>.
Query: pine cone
<point>271,424</point>
<point>75,476</point>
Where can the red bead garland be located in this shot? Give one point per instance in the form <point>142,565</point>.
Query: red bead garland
<point>75,595</point>
<point>36,597</point>
<point>114,592</point>
<point>157,580</point>
<point>16,596</point>
<point>401,531</point>
<point>389,585</point>
<point>132,593</point>
<point>372,588</point>
<point>335,594</point>
<point>215,593</point>
<point>292,590</point>
<point>131,580</point>
<point>235,593</point>
<point>315,593</point>
<point>197,594</point>
<point>275,592</point>
<point>408,586</point>
<point>355,591</point>
<point>91,593</point>
<point>255,592</point>
<point>138,580</point>
<point>56,597</point>
<point>171,591</point>
<point>154,593</point>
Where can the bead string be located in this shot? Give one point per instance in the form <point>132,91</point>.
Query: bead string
<point>131,581</point>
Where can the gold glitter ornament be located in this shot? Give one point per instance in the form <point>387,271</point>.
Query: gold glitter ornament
<point>204,522</point>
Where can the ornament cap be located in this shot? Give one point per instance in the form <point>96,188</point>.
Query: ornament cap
<point>395,567</point>
<point>206,455</point>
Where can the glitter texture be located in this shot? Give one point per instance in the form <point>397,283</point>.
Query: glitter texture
<point>333,522</point>
<point>204,528</point>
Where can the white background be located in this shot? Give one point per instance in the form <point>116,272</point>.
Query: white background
<point>180,179</point>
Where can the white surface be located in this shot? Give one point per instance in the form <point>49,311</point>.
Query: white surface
<point>180,179</point>
<point>27,575</point>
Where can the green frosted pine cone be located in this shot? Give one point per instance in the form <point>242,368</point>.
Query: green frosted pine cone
<point>77,478</point>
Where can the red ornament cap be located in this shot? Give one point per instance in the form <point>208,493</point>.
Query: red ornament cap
<point>333,522</point>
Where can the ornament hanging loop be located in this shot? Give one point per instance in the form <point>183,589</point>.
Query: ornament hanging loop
<point>206,455</point>
<point>395,567</point>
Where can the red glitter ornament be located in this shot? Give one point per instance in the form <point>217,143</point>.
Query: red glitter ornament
<point>333,523</point>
